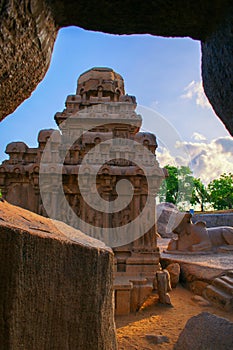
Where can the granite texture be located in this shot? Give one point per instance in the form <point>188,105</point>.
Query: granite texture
<point>206,332</point>
<point>56,285</point>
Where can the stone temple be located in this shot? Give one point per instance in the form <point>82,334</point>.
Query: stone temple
<point>98,173</point>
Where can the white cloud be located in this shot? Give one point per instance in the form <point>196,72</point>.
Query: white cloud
<point>164,157</point>
<point>194,90</point>
<point>226,143</point>
<point>198,137</point>
<point>208,159</point>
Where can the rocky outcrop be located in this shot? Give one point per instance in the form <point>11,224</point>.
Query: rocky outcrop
<point>56,285</point>
<point>28,30</point>
<point>163,18</point>
<point>206,331</point>
<point>217,69</point>
<point>27,35</point>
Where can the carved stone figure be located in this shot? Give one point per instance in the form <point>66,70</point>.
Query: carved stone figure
<point>163,286</point>
<point>197,238</point>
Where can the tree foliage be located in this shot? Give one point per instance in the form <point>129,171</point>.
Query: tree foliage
<point>200,193</point>
<point>177,187</point>
<point>181,186</point>
<point>221,192</point>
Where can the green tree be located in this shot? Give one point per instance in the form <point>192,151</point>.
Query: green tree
<point>169,188</point>
<point>221,192</point>
<point>200,193</point>
<point>177,187</point>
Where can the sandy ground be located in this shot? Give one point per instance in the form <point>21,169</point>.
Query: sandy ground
<point>158,319</point>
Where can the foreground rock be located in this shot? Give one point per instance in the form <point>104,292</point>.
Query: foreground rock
<point>56,285</point>
<point>206,332</point>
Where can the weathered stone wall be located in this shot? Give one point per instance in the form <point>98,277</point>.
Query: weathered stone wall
<point>56,285</point>
<point>28,29</point>
<point>214,220</point>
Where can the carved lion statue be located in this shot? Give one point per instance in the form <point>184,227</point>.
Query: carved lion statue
<point>197,238</point>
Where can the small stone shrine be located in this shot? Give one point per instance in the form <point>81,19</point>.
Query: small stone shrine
<point>98,145</point>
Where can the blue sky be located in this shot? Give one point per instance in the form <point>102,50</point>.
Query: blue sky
<point>163,74</point>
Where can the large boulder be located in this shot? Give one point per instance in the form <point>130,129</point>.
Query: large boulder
<point>174,272</point>
<point>197,277</point>
<point>164,212</point>
<point>206,332</point>
<point>56,285</point>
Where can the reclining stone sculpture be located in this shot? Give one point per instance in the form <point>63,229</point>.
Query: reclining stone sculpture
<point>197,238</point>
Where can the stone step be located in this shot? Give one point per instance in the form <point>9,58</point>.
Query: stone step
<point>230,273</point>
<point>219,297</point>
<point>223,285</point>
<point>227,279</point>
